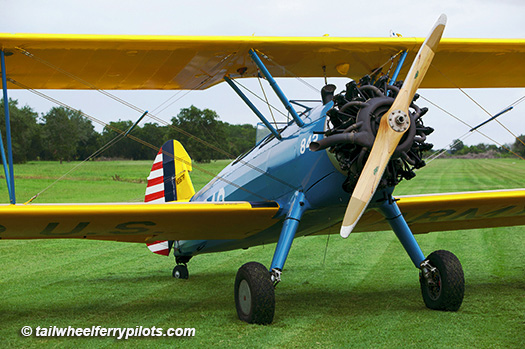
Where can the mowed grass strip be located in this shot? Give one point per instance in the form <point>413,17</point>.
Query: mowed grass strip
<point>365,294</point>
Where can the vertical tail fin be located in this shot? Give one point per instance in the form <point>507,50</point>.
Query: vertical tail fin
<point>169,180</point>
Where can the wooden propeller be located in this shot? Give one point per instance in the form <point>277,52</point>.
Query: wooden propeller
<point>392,127</point>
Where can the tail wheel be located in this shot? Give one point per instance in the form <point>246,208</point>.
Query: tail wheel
<point>181,272</point>
<point>442,281</point>
<point>254,294</point>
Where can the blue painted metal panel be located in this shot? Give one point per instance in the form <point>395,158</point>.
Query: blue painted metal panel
<point>276,173</point>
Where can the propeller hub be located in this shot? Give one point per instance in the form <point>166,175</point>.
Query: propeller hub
<point>399,121</point>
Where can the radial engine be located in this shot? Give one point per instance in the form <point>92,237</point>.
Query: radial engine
<point>352,126</point>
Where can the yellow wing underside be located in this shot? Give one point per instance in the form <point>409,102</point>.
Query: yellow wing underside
<point>44,61</point>
<point>455,211</point>
<point>137,222</point>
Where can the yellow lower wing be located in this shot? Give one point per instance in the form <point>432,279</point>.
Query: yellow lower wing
<point>237,220</point>
<point>137,222</point>
<point>455,211</point>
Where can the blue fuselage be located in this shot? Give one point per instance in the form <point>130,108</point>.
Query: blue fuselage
<point>274,170</point>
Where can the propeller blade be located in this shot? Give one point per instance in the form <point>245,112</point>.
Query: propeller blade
<point>392,127</point>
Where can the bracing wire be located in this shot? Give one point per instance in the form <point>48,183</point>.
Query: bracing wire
<point>306,83</point>
<point>470,127</point>
<point>258,97</point>
<point>440,152</point>
<point>266,99</point>
<point>479,105</point>
<point>150,115</point>
<point>120,135</point>
<point>96,153</point>
<point>130,105</point>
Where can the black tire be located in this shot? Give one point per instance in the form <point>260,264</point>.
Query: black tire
<point>449,283</point>
<point>180,272</point>
<point>254,294</point>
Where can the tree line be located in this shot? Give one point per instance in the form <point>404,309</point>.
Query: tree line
<point>63,134</point>
<point>458,148</point>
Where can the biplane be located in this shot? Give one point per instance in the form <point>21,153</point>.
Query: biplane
<point>332,168</point>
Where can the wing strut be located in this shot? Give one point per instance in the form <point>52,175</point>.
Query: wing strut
<point>252,107</point>
<point>276,88</point>
<point>9,173</point>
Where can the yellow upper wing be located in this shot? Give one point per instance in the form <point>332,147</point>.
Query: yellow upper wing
<point>137,222</point>
<point>43,61</point>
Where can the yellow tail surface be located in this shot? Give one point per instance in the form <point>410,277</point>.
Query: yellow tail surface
<point>169,179</point>
<point>184,186</point>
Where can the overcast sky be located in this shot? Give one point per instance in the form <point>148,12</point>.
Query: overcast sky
<point>466,18</point>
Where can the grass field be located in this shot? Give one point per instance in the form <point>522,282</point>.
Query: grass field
<point>366,293</point>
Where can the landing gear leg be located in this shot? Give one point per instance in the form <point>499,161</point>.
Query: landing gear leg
<point>181,269</point>
<point>254,285</point>
<point>441,274</point>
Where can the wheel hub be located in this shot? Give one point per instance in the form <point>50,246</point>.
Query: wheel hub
<point>434,285</point>
<point>245,297</point>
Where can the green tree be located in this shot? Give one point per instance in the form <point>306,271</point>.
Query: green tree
<point>152,134</point>
<point>125,148</point>
<point>518,147</point>
<point>201,124</point>
<point>241,138</point>
<point>24,131</point>
<point>66,135</point>
<point>457,145</point>
<point>88,140</point>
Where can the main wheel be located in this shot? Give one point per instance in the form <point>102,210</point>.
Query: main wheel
<point>254,294</point>
<point>181,272</point>
<point>446,286</point>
